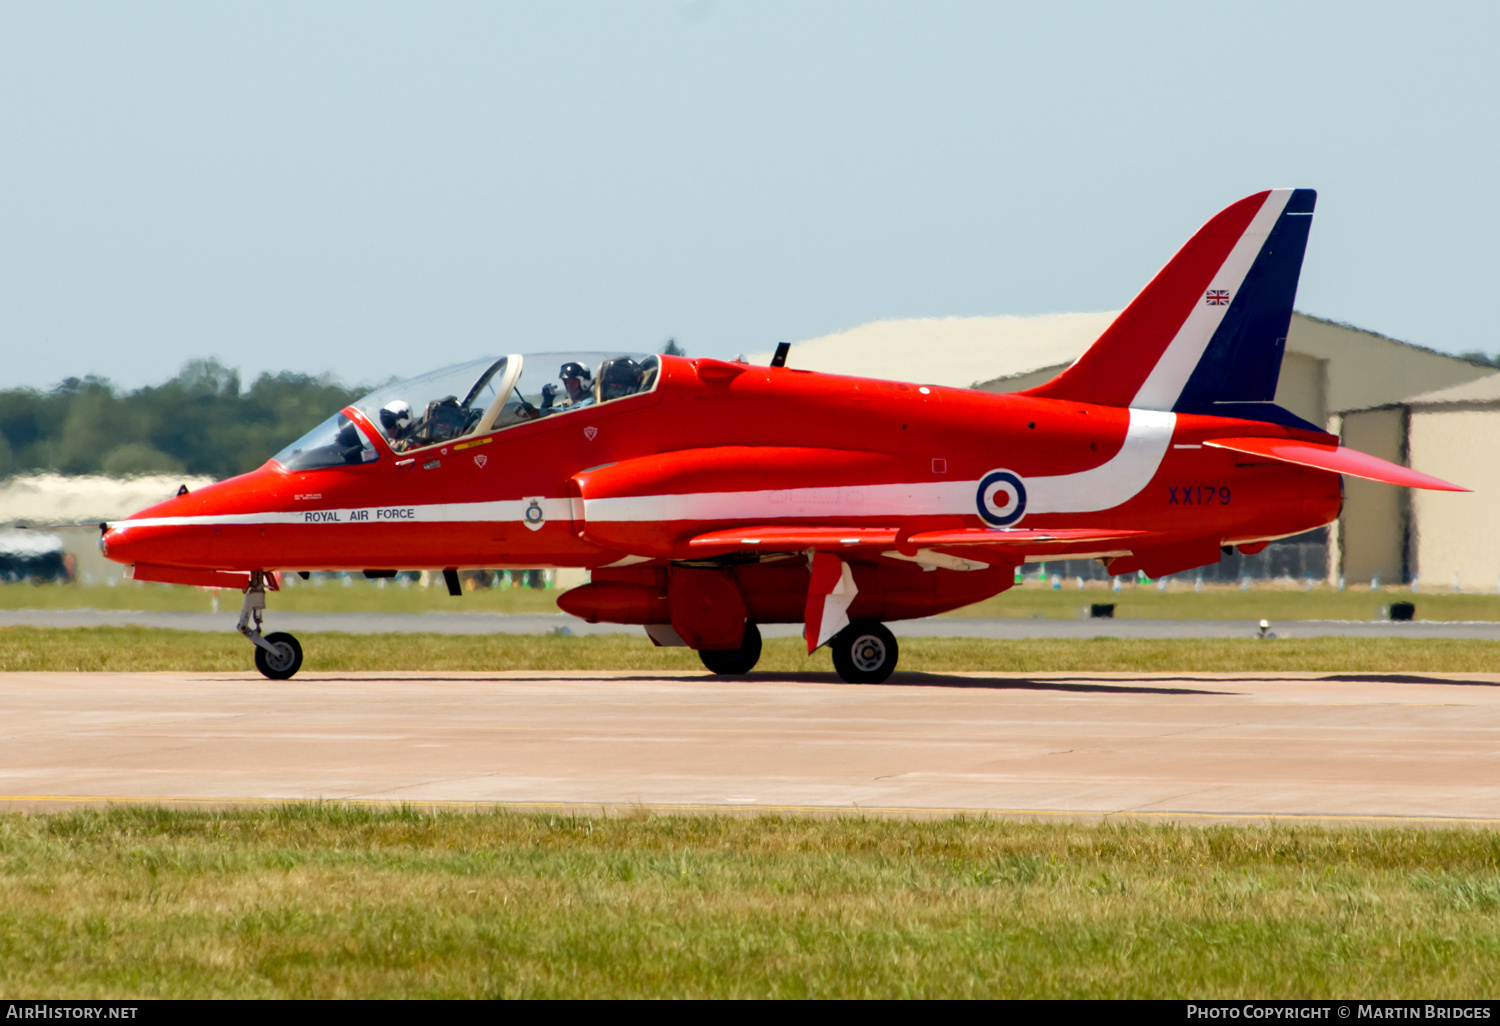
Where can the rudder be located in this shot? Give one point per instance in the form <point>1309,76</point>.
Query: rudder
<point>1207,334</point>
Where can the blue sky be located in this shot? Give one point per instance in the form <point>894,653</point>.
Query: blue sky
<point>374,189</point>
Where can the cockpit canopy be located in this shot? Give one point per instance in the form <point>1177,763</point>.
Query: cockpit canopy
<point>473,398</point>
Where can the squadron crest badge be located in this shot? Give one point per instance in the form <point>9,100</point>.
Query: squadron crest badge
<point>533,516</point>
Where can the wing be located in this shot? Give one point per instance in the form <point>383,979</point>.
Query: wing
<point>961,549</point>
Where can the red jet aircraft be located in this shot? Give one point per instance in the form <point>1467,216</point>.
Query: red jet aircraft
<point>707,497</point>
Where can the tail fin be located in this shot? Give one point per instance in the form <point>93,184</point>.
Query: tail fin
<point>1206,335</point>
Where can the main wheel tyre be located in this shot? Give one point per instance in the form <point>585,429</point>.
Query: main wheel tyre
<point>286,660</point>
<point>734,660</point>
<point>864,652</point>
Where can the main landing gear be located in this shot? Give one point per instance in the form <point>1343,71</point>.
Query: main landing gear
<point>277,655</point>
<point>734,661</point>
<point>864,652</point>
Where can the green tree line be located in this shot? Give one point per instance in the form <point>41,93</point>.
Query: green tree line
<point>200,422</point>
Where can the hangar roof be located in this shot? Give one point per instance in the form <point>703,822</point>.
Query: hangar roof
<point>1361,369</point>
<point>1483,390</point>
<point>957,351</point>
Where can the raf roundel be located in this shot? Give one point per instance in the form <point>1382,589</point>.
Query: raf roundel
<point>1001,498</point>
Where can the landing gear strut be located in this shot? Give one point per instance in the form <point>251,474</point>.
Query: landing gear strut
<point>734,661</point>
<point>864,652</point>
<point>278,655</point>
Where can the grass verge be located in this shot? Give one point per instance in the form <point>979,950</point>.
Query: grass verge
<point>337,901</point>
<point>1031,599</point>
<point>1180,602</point>
<point>350,595</point>
<point>142,649</point>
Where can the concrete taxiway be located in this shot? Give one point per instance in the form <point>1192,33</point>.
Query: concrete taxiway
<point>1181,746</point>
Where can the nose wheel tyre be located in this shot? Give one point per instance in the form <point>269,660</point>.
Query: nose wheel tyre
<point>734,660</point>
<point>864,652</point>
<point>284,662</point>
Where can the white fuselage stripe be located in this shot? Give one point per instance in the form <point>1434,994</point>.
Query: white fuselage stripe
<point>430,513</point>
<point>1112,483</point>
<point>1164,385</point>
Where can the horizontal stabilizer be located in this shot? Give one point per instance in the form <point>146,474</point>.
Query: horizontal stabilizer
<point>1334,458</point>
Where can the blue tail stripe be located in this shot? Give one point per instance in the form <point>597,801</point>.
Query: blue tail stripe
<point>1242,361</point>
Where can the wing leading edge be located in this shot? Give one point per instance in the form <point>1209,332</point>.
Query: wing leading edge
<point>1010,546</point>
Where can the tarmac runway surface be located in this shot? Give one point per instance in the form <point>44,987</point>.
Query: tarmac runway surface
<point>1189,747</point>
<point>927,627</point>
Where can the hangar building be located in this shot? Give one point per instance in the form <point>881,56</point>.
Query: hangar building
<point>1445,539</point>
<point>1386,397</point>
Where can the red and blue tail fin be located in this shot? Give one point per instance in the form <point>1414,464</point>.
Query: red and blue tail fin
<point>1207,334</point>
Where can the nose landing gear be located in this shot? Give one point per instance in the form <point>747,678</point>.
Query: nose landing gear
<point>282,659</point>
<point>278,656</point>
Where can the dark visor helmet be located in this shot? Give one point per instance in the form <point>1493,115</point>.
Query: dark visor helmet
<point>620,377</point>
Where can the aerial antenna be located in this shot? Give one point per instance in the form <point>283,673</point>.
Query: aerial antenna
<point>782,348</point>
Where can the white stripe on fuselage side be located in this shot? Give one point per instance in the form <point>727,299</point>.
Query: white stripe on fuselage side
<point>431,513</point>
<point>1167,379</point>
<point>1112,483</point>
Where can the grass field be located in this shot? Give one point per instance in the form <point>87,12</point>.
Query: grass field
<point>322,595</point>
<point>141,649</point>
<point>337,901</point>
<point>1031,599</point>
<point>1180,602</point>
<point>1028,600</point>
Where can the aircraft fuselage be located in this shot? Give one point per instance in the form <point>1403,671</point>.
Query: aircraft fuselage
<point>719,445</point>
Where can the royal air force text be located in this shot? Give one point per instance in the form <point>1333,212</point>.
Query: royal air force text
<point>358,516</point>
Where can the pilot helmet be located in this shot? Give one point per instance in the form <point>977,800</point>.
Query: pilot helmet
<point>576,377</point>
<point>395,416</point>
<point>621,377</point>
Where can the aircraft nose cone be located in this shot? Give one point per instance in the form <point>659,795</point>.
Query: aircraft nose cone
<point>185,530</point>
<point>123,545</point>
